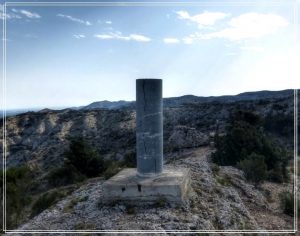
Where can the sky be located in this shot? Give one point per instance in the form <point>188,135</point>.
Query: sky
<point>64,55</point>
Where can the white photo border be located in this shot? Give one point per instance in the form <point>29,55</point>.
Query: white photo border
<point>145,4</point>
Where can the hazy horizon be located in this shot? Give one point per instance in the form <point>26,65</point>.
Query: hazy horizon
<point>65,56</point>
<point>82,105</point>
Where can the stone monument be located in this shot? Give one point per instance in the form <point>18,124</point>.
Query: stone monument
<point>150,181</point>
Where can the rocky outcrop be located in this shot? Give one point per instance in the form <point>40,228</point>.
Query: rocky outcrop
<point>40,138</point>
<point>187,137</point>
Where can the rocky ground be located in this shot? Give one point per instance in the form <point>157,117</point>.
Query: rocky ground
<point>220,199</point>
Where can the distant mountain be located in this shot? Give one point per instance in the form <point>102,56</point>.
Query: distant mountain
<point>247,96</point>
<point>14,112</point>
<point>107,105</point>
<point>191,99</point>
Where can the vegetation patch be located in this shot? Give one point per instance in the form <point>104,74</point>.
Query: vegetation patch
<point>254,162</point>
<point>248,147</point>
<point>64,175</point>
<point>18,181</point>
<point>287,203</point>
<point>111,169</point>
<point>45,201</point>
<point>82,161</point>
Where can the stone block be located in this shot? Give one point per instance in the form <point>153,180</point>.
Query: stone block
<point>172,185</point>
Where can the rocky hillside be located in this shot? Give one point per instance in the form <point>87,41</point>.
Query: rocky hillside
<point>40,138</point>
<point>221,199</point>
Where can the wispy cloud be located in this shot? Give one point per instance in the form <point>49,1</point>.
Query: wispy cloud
<point>108,22</point>
<point>71,18</point>
<point>249,26</point>
<point>244,27</point>
<point>8,15</point>
<point>79,36</point>
<point>171,40</point>
<point>27,13</point>
<point>139,38</point>
<point>204,19</point>
<point>119,36</point>
<point>105,36</point>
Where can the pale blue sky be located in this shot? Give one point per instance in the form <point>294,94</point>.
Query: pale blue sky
<point>71,56</point>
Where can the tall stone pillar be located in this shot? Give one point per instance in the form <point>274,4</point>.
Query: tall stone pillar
<point>149,127</point>
<point>150,182</point>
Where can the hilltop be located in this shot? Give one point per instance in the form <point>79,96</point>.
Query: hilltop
<point>221,199</point>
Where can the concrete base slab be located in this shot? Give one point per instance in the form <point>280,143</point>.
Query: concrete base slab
<point>172,185</point>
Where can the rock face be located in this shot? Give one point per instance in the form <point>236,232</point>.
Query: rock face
<point>40,139</point>
<point>213,205</point>
<point>186,137</point>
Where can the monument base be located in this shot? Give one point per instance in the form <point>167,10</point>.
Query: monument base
<point>172,185</point>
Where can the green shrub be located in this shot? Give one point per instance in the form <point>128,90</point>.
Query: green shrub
<point>45,201</point>
<point>84,158</point>
<point>64,175</point>
<point>254,167</point>
<point>287,202</point>
<point>245,135</point>
<point>18,180</point>
<point>81,162</point>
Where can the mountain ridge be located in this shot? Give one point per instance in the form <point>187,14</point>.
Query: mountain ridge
<point>176,101</point>
<point>167,102</point>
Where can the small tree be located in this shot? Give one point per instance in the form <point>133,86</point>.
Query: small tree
<point>81,161</point>
<point>84,158</point>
